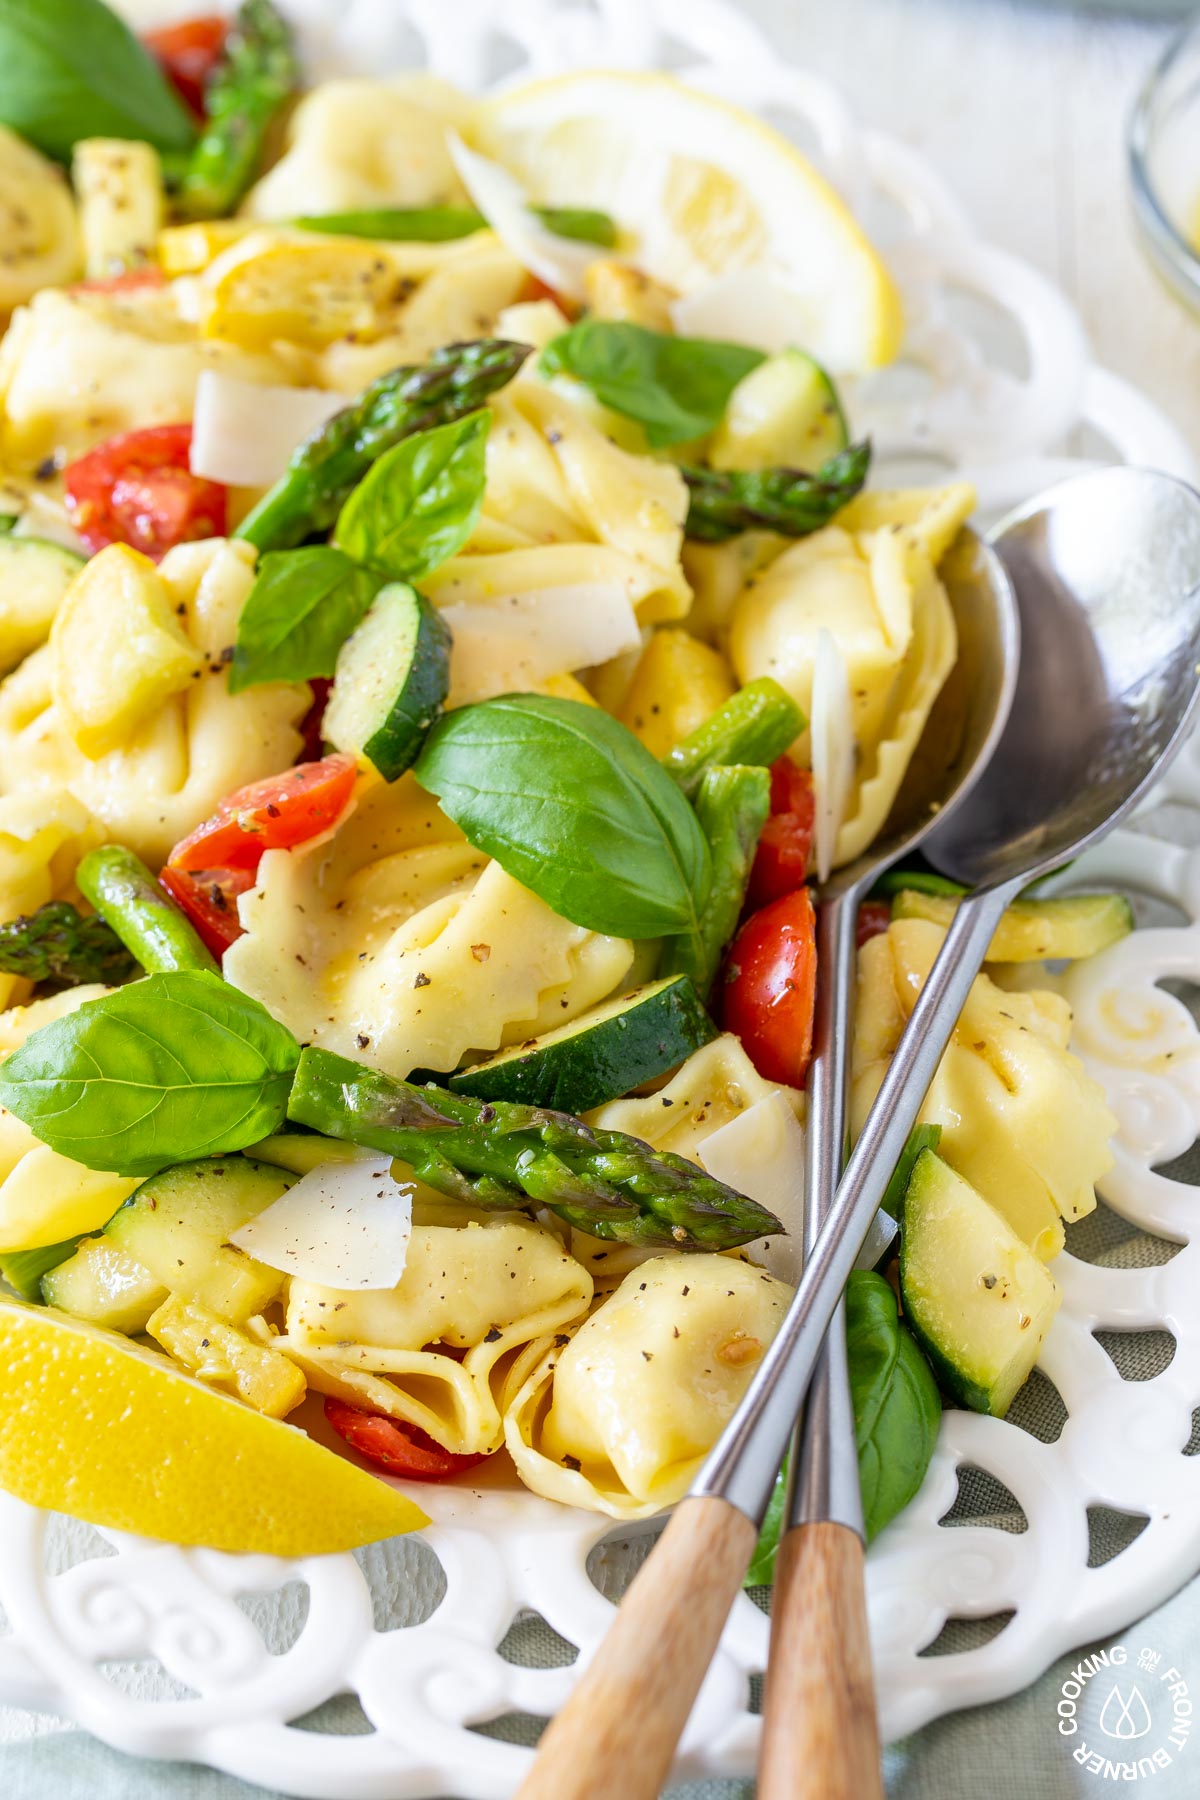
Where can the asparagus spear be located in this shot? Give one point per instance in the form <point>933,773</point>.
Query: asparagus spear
<point>56,943</point>
<point>732,807</point>
<point>756,726</point>
<point>497,1154</point>
<point>139,913</point>
<point>258,73</point>
<point>725,501</point>
<point>333,460</point>
<point>398,224</point>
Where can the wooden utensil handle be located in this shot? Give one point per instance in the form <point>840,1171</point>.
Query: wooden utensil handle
<point>616,1736</point>
<point>820,1730</point>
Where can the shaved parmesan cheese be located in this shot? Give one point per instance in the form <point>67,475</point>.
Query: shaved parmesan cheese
<point>244,432</point>
<point>343,1225</point>
<point>832,728</point>
<point>559,262</point>
<point>502,647</point>
<point>750,306</point>
<point>760,1153</point>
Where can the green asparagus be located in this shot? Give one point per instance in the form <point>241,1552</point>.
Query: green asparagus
<point>582,223</point>
<point>329,465</point>
<point>138,912</point>
<point>732,807</point>
<point>756,726</point>
<point>496,1154</point>
<point>399,224</point>
<point>56,943</point>
<point>257,75</point>
<point>723,502</point>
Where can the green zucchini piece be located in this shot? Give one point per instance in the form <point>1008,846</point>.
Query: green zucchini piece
<point>1035,930</point>
<point>785,413</point>
<point>177,1225</point>
<point>919,881</point>
<point>105,1285</point>
<point>391,681</point>
<point>34,576</point>
<point>977,1300</point>
<point>601,1056</point>
<point>23,1269</point>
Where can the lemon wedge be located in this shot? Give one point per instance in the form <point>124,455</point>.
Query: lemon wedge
<point>100,1428</point>
<point>710,201</point>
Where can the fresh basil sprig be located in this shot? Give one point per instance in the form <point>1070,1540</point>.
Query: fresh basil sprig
<point>303,606</point>
<point>420,502</point>
<point>71,69</point>
<point>570,803</point>
<point>897,1408</point>
<point>676,387</point>
<point>167,1069</point>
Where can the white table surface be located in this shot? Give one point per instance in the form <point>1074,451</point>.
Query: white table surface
<point>1022,108</point>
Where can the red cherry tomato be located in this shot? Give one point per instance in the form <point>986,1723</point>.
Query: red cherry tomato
<point>874,917</point>
<point>129,281</point>
<point>769,985</point>
<point>188,53</point>
<point>209,899</point>
<point>273,814</point>
<point>137,489</point>
<point>398,1449</point>
<point>535,288</point>
<point>781,860</point>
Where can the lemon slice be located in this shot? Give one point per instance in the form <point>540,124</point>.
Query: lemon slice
<point>100,1428</point>
<point>712,202</point>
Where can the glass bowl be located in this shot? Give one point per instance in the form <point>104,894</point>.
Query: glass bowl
<point>1164,164</point>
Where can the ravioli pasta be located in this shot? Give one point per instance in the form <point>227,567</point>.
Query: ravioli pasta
<point>620,1419</point>
<point>398,944</point>
<point>1021,1119</point>
<point>431,1351</point>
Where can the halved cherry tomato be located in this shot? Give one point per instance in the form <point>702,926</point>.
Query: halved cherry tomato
<point>769,986</point>
<point>188,53</point>
<point>874,917</point>
<point>137,489</point>
<point>314,718</point>
<point>209,898</point>
<point>399,1449</point>
<point>781,860</point>
<point>269,815</point>
<point>129,281</point>
<point>534,288</point>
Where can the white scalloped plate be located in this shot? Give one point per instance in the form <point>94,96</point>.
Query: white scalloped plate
<point>156,1649</point>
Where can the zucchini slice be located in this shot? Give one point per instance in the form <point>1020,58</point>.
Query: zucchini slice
<point>601,1056</point>
<point>177,1225</point>
<point>978,1301</point>
<point>105,1285</point>
<point>1035,930</point>
<point>785,412</point>
<point>34,576</point>
<point>23,1269</point>
<point>391,681</point>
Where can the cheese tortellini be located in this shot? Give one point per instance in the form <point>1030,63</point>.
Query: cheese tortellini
<point>1021,1119</point>
<point>38,226</point>
<point>484,1287</point>
<point>395,943</point>
<point>42,837</point>
<point>44,1196</point>
<point>170,771</point>
<point>620,1418</point>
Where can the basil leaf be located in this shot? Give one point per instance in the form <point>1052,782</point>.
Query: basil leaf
<point>897,1408</point>
<point>761,1572</point>
<point>572,805</point>
<point>303,606</point>
<point>167,1069</point>
<point>420,502</point>
<point>676,387</point>
<point>399,224</point>
<point>581,223</point>
<point>71,69</point>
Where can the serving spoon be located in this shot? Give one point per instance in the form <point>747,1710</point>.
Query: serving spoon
<point>1107,572</point>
